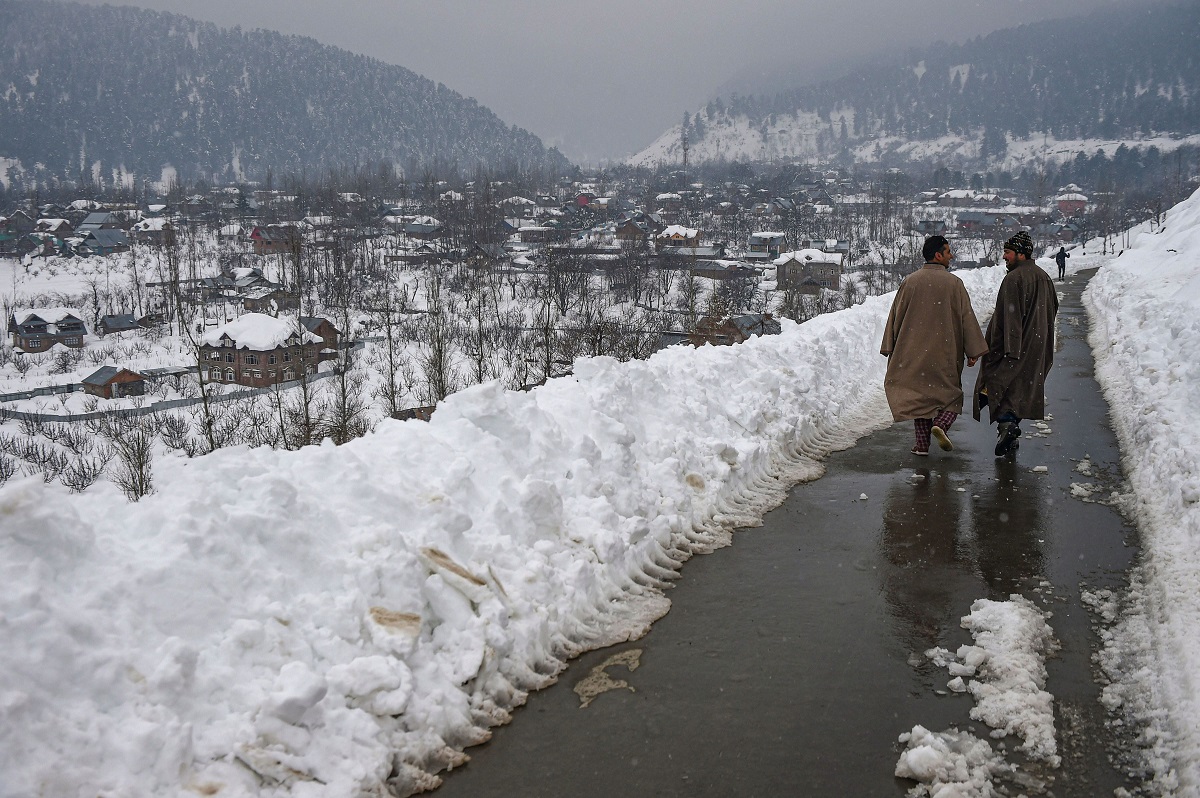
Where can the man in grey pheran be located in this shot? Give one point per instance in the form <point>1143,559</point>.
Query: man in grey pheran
<point>930,331</point>
<point>1020,338</point>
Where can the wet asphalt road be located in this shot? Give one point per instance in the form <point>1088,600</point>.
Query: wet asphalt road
<point>789,663</point>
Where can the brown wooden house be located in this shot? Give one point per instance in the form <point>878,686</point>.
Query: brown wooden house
<point>271,240</point>
<point>111,382</point>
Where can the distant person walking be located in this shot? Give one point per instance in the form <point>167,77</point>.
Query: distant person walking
<point>1020,338</point>
<point>1060,258</point>
<point>930,331</point>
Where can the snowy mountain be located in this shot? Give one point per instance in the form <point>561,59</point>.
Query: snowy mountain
<point>1009,98</point>
<point>116,94</point>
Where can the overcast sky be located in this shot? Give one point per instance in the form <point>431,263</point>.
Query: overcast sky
<point>602,79</point>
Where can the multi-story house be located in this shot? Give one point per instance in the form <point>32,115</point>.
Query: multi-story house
<point>38,329</point>
<point>260,350</point>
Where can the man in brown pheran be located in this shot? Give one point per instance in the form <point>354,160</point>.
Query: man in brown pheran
<point>1020,337</point>
<point>930,331</point>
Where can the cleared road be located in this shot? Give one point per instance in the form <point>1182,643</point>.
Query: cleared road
<point>790,662</point>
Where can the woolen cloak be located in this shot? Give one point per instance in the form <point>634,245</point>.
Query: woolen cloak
<point>930,331</point>
<point>1020,340</point>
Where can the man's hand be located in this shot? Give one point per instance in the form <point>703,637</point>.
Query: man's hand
<point>971,361</point>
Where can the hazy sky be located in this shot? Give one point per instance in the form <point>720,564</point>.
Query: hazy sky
<point>602,79</point>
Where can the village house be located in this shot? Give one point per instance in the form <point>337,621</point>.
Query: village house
<point>676,235</point>
<point>111,382</point>
<point>156,231</point>
<point>38,329</point>
<point>269,299</point>
<point>124,322</point>
<point>98,220</point>
<point>987,223</point>
<point>14,231</point>
<point>259,350</point>
<point>637,229</point>
<point>725,331</point>
<point>543,234</point>
<point>275,239</point>
<point>809,270</point>
<point>425,228</point>
<point>932,227</point>
<point>764,245</point>
<point>57,226</point>
<point>1071,203</point>
<point>323,329</point>
<point>106,241</point>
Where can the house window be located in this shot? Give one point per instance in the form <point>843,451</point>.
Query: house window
<point>251,360</point>
<point>229,374</point>
<point>289,374</point>
<point>228,357</point>
<point>214,355</point>
<point>271,374</point>
<point>287,357</point>
<point>70,341</point>
<point>272,359</point>
<point>214,374</point>
<point>256,374</point>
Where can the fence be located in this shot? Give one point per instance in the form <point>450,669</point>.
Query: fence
<point>156,407</point>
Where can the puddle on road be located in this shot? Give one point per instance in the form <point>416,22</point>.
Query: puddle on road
<point>598,681</point>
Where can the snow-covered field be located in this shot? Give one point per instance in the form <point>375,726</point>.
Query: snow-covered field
<point>335,619</point>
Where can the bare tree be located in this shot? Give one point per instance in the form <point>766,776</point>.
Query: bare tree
<point>437,357</point>
<point>132,440</point>
<point>388,307</point>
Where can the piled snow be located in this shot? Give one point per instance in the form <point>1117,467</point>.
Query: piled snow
<point>949,764</point>
<point>271,621</point>
<point>1012,640</point>
<point>1144,308</point>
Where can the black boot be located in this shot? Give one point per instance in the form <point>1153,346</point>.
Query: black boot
<point>1006,438</point>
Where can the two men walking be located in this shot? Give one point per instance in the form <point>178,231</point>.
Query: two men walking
<point>932,330</point>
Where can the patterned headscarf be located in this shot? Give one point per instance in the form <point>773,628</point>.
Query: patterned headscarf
<point>1021,244</point>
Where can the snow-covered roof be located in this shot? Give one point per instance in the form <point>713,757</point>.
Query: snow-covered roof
<point>260,332</point>
<point>1071,197</point>
<point>679,230</point>
<point>48,315</point>
<point>808,256</point>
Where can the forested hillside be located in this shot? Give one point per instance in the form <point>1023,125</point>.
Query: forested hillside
<point>94,91</point>
<point>1124,73</point>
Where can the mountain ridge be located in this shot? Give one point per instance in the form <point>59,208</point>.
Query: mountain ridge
<point>117,93</point>
<point>1114,74</point>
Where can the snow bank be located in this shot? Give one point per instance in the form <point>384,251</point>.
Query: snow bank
<point>1144,308</point>
<point>337,619</point>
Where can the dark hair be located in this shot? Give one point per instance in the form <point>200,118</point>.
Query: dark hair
<point>933,245</point>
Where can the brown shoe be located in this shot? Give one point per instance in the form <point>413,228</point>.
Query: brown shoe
<point>943,440</point>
